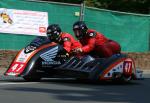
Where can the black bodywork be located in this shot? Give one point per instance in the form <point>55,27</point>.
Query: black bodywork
<point>54,61</point>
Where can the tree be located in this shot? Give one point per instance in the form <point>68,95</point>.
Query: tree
<point>134,6</point>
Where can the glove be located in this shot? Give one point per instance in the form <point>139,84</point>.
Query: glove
<point>77,50</point>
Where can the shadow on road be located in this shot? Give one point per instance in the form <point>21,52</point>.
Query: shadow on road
<point>86,91</point>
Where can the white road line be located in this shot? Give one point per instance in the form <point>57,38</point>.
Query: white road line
<point>1,84</point>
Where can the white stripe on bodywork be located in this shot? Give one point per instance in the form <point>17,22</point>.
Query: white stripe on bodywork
<point>49,55</point>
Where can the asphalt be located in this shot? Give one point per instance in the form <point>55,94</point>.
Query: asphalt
<point>71,91</point>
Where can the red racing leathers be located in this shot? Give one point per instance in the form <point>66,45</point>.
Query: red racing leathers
<point>97,44</point>
<point>68,42</point>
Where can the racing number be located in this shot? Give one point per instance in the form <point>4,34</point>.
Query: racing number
<point>17,67</point>
<point>127,66</point>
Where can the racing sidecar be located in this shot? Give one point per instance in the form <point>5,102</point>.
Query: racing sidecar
<point>45,59</point>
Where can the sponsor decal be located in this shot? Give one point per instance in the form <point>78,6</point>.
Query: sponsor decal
<point>91,34</point>
<point>23,57</point>
<point>51,63</point>
<point>42,29</point>
<point>49,56</point>
<point>29,48</point>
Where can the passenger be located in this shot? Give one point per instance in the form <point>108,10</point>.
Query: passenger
<point>94,42</point>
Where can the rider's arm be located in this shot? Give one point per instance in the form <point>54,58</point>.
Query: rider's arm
<point>90,46</point>
<point>67,44</point>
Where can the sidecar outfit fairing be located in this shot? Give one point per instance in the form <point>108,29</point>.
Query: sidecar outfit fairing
<point>42,58</point>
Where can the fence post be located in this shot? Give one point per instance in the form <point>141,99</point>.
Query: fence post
<point>82,10</point>
<point>149,30</point>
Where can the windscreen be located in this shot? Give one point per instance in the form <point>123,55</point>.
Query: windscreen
<point>38,41</point>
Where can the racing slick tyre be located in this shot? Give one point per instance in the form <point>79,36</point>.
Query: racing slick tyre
<point>119,77</point>
<point>126,78</point>
<point>31,78</point>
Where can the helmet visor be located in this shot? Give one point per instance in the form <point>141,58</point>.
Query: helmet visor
<point>54,35</point>
<point>78,33</point>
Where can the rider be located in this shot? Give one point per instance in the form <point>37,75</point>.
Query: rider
<point>55,34</point>
<point>94,42</point>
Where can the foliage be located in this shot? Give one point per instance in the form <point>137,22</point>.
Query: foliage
<point>135,6</point>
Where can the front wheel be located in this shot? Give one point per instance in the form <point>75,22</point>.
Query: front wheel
<point>32,78</point>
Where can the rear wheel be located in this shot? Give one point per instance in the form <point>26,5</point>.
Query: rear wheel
<point>125,78</point>
<point>119,77</point>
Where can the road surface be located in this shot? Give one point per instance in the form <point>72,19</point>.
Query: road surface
<point>16,90</point>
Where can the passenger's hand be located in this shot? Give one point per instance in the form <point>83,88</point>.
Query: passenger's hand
<point>77,50</point>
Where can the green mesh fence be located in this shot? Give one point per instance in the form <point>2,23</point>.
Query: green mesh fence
<point>130,30</point>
